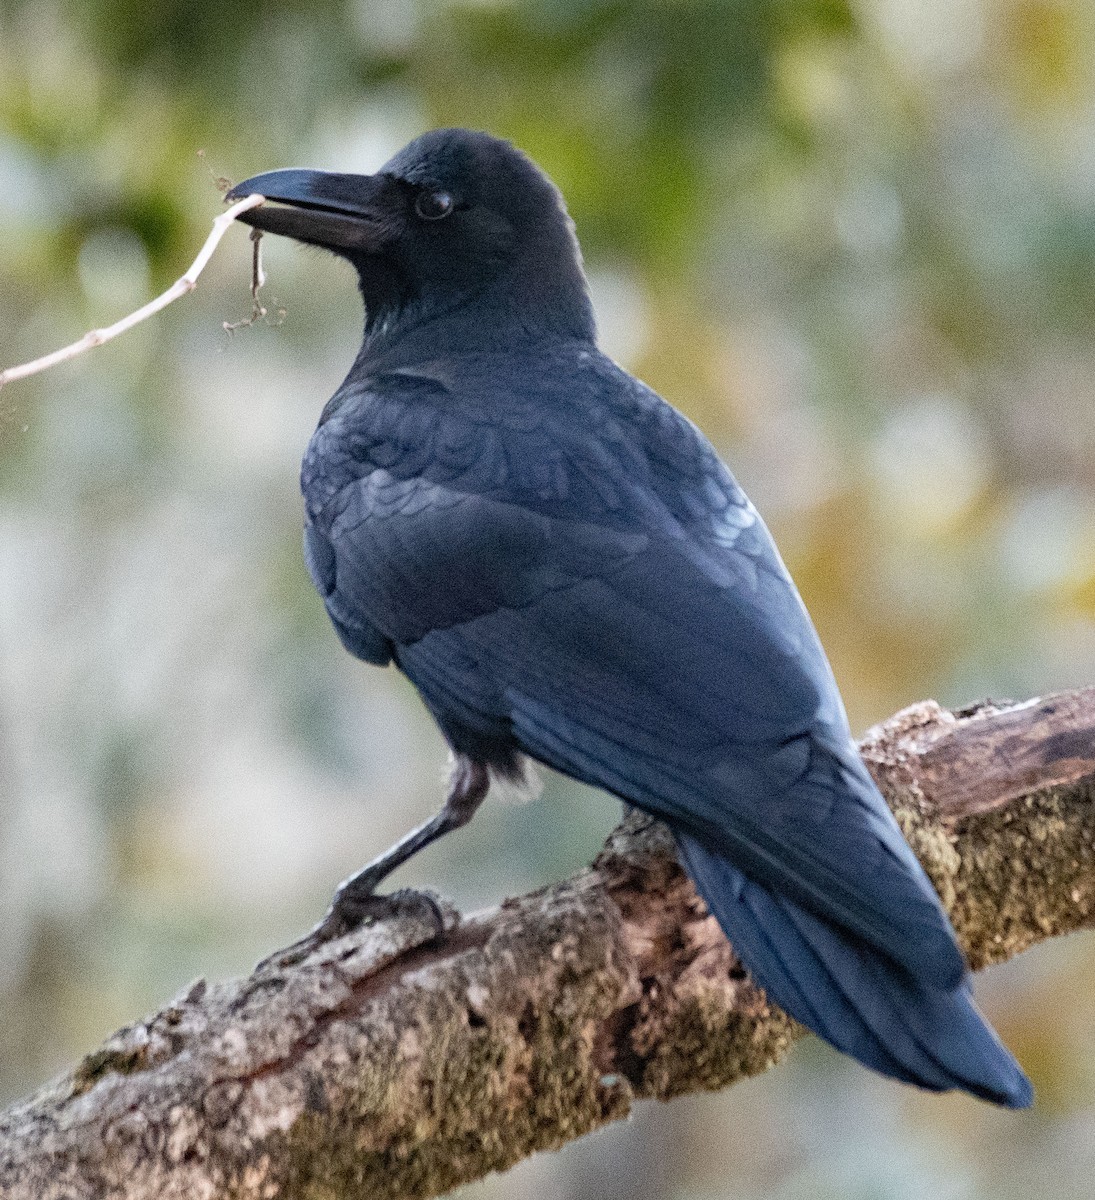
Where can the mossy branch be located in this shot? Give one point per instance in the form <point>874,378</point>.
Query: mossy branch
<point>396,1063</point>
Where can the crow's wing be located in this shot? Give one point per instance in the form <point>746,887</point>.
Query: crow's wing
<point>674,666</point>
<point>356,632</point>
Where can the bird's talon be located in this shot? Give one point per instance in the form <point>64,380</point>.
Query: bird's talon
<point>350,910</point>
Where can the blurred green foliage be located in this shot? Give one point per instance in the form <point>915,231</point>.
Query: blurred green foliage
<point>854,240</point>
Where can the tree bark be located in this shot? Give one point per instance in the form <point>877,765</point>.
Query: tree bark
<point>398,1063</point>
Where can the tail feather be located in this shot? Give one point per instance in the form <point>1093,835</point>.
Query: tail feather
<point>851,995</point>
<point>798,975</point>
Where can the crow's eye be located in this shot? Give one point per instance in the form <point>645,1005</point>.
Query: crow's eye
<point>432,206</point>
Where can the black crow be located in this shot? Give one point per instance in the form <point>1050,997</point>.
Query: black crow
<point>561,564</point>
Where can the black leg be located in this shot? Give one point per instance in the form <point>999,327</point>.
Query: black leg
<point>356,897</point>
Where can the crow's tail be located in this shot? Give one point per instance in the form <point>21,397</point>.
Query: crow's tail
<point>852,996</point>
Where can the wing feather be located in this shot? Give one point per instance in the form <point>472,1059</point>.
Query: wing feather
<point>653,645</point>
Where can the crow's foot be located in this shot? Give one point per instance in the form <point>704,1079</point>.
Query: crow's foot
<point>350,910</point>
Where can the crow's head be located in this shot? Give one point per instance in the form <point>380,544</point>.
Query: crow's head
<point>456,220</point>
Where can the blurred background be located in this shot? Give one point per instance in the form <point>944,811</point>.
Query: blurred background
<point>853,239</point>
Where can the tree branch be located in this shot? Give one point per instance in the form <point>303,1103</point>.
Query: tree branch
<point>396,1063</point>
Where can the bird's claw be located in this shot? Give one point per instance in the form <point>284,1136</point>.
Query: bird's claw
<point>349,911</point>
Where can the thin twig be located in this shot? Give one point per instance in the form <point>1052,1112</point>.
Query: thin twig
<point>179,288</point>
<point>259,310</point>
<point>221,182</point>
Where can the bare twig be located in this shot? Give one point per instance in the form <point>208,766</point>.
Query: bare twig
<point>396,1063</point>
<point>179,288</point>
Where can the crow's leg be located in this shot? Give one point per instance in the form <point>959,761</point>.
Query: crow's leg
<point>356,898</point>
<point>470,781</point>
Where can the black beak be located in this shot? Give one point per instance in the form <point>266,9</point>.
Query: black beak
<point>360,213</point>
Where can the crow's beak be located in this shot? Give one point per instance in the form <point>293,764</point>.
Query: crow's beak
<point>341,212</point>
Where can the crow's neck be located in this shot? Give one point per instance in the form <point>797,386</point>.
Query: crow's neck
<point>504,314</point>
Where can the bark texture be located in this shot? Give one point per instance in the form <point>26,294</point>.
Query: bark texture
<point>398,1063</point>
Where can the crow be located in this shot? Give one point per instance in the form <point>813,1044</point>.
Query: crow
<point>563,567</point>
